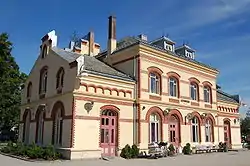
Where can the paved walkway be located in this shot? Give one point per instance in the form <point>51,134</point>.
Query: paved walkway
<point>222,159</point>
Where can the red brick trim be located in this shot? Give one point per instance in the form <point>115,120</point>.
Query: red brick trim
<point>195,104</point>
<point>176,113</point>
<point>173,74</point>
<point>107,101</point>
<point>208,106</point>
<point>193,79</point>
<point>138,97</point>
<point>154,69</point>
<point>72,141</point>
<point>110,107</point>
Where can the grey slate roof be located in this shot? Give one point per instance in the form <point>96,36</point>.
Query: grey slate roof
<point>131,41</point>
<point>222,96</point>
<point>92,65</point>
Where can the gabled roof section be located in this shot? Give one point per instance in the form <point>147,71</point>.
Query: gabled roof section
<point>222,96</point>
<point>131,41</point>
<point>162,38</point>
<point>92,65</point>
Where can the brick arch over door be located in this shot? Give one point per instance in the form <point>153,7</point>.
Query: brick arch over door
<point>57,106</point>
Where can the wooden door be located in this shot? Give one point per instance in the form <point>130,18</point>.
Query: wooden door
<point>174,131</point>
<point>108,135</point>
<point>227,134</point>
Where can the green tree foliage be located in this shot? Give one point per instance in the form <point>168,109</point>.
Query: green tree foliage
<point>245,126</point>
<point>11,80</point>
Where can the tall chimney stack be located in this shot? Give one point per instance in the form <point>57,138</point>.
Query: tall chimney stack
<point>111,46</point>
<point>91,42</point>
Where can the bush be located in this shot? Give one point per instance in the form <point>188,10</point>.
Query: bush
<point>187,149</point>
<point>32,151</point>
<point>223,147</point>
<point>171,150</point>
<point>128,152</point>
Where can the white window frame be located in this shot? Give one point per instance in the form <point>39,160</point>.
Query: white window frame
<point>156,89</point>
<point>207,95</point>
<point>208,131</point>
<point>175,86</point>
<point>195,129</point>
<point>154,118</point>
<point>193,87</point>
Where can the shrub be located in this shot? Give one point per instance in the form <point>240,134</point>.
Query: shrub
<point>171,150</point>
<point>223,147</point>
<point>186,149</point>
<point>134,151</point>
<point>126,152</point>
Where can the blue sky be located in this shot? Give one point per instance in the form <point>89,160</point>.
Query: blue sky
<point>217,29</point>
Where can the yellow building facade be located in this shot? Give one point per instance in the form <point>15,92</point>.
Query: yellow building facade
<point>90,103</point>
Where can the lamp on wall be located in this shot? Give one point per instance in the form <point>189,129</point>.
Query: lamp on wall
<point>143,107</point>
<point>166,111</point>
<point>204,115</point>
<point>88,106</point>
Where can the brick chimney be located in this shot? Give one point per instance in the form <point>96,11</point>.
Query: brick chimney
<point>91,42</point>
<point>111,45</point>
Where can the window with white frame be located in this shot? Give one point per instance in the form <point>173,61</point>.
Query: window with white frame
<point>208,130</point>
<point>207,94</point>
<point>173,87</point>
<point>154,128</point>
<point>154,83</point>
<point>193,91</point>
<point>40,127</point>
<point>58,128</point>
<point>195,129</point>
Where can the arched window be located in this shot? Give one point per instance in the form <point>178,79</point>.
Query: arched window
<point>154,128</point>
<point>26,127</point>
<point>154,83</point>
<point>194,91</point>
<point>44,51</point>
<point>59,78</point>
<point>207,94</point>
<point>195,129</point>
<point>173,87</point>
<point>40,127</point>
<point>58,124</point>
<point>43,80</point>
<point>209,130</point>
<point>29,90</point>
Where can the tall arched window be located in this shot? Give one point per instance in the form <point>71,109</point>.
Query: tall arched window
<point>207,94</point>
<point>173,87</point>
<point>195,129</point>
<point>194,91</point>
<point>208,130</point>
<point>58,124</point>
<point>154,83</point>
<point>43,80</point>
<point>154,128</point>
<point>29,90</point>
<point>60,78</point>
<point>26,127</point>
<point>40,126</point>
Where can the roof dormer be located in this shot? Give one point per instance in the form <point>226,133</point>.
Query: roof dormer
<point>164,43</point>
<point>186,51</point>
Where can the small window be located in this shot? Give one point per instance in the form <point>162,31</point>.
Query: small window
<point>173,87</point>
<point>194,91</point>
<point>44,51</point>
<point>29,90</point>
<point>207,94</point>
<point>154,83</point>
<point>43,80</point>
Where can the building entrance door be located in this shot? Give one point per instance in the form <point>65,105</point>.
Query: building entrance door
<point>108,133</point>
<point>174,131</point>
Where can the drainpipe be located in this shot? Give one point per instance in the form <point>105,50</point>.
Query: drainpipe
<point>135,128</point>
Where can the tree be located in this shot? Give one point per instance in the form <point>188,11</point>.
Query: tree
<point>245,126</point>
<point>11,81</point>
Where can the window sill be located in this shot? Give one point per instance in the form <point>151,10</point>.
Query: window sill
<point>59,90</point>
<point>208,105</point>
<point>154,97</point>
<point>195,103</point>
<point>42,95</point>
<point>174,99</point>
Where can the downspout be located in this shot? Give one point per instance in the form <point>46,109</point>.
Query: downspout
<point>135,139</point>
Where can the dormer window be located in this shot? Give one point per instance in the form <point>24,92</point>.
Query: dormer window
<point>44,51</point>
<point>189,55</point>
<point>168,46</point>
